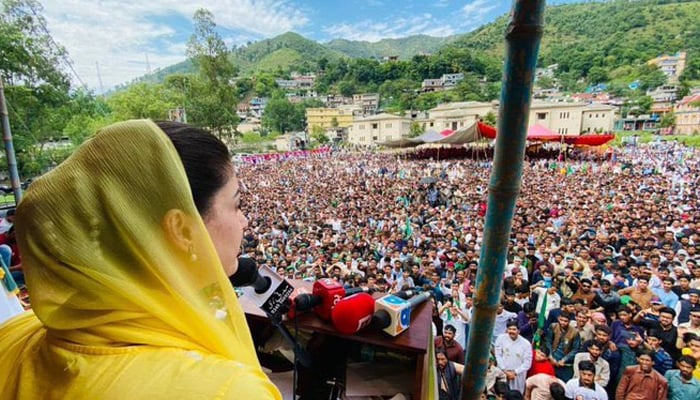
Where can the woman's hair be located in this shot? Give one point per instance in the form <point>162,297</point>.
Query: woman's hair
<point>206,160</point>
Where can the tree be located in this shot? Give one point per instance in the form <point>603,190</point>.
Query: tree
<point>281,116</point>
<point>415,129</point>
<point>667,120</point>
<point>37,89</point>
<point>319,135</point>
<point>490,118</point>
<point>212,99</point>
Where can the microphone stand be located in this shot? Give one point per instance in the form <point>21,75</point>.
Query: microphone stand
<point>300,354</point>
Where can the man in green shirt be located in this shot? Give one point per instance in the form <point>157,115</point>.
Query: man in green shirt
<point>681,383</point>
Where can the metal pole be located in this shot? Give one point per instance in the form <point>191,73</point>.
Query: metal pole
<point>9,147</point>
<point>522,45</point>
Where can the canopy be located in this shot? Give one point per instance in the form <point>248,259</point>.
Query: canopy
<point>542,134</point>
<point>447,136</point>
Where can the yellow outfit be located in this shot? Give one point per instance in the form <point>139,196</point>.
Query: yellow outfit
<point>121,312</point>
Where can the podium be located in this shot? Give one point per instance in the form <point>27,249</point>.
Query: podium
<point>414,342</point>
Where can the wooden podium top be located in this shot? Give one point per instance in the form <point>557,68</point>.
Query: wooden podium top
<point>415,339</point>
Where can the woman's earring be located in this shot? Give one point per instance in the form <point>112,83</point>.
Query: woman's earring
<point>193,255</point>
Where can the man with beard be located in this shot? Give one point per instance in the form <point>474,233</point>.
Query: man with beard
<point>446,343</point>
<point>449,374</point>
<point>563,341</point>
<point>642,381</point>
<point>681,383</point>
<point>685,306</point>
<point>585,387</point>
<point>593,354</point>
<point>584,292</point>
<point>666,330</point>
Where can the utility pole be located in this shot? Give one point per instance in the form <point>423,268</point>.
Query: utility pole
<point>9,147</point>
<point>99,78</point>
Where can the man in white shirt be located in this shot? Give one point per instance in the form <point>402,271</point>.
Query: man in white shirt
<point>584,387</point>
<point>513,356</point>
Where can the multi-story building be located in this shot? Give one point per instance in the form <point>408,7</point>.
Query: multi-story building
<point>326,118</point>
<point>378,129</point>
<point>572,118</point>
<point>431,85</point>
<point>369,102</point>
<point>663,96</point>
<point>451,80</point>
<point>459,115</point>
<point>687,112</point>
<point>671,65</point>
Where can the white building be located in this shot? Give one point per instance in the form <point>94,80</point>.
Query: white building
<point>378,128</point>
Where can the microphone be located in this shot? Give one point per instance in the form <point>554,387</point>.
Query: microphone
<point>266,289</point>
<point>390,313</point>
<point>307,301</point>
<point>326,293</point>
<point>353,313</point>
<point>393,314</point>
<point>247,275</point>
<point>408,293</point>
<point>271,293</point>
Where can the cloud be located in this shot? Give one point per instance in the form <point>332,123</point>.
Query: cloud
<point>441,3</point>
<point>119,33</point>
<point>479,8</point>
<point>373,31</point>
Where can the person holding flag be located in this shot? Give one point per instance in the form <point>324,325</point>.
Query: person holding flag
<point>547,299</point>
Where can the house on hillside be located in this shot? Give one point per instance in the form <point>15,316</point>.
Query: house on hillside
<point>368,102</point>
<point>431,85</point>
<point>687,112</point>
<point>664,97</point>
<point>671,65</point>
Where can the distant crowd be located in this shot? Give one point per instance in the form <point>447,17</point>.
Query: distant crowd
<point>601,288</point>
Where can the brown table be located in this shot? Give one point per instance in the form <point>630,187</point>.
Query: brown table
<point>414,341</point>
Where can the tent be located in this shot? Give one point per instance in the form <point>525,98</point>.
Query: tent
<point>447,136</point>
<point>542,134</point>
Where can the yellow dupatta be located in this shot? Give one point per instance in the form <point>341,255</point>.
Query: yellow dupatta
<point>104,280</point>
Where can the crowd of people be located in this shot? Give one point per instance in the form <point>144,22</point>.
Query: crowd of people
<point>600,291</point>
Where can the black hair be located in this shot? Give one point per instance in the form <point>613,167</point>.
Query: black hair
<point>688,360</point>
<point>206,160</point>
<point>668,310</point>
<point>586,365</point>
<point>557,391</point>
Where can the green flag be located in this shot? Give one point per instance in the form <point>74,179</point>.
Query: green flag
<point>537,338</point>
<point>408,229</point>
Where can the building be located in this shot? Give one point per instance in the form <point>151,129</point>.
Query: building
<point>664,97</point>
<point>451,80</point>
<point>326,118</point>
<point>369,102</point>
<point>431,85</point>
<point>458,115</point>
<point>572,118</point>
<point>378,128</point>
<point>671,65</point>
<point>642,122</point>
<point>597,118</point>
<point>687,112</point>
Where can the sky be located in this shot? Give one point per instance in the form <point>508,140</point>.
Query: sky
<point>125,39</point>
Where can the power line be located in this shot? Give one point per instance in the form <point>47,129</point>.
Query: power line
<point>62,52</point>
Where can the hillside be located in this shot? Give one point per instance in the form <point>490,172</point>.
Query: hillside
<point>609,35</point>
<point>404,48</point>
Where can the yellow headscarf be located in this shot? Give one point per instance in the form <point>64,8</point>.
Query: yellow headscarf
<point>100,269</point>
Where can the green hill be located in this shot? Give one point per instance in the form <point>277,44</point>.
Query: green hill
<point>404,48</point>
<point>608,35</point>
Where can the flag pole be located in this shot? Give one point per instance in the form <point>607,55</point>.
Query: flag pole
<point>9,146</point>
<point>522,45</point>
